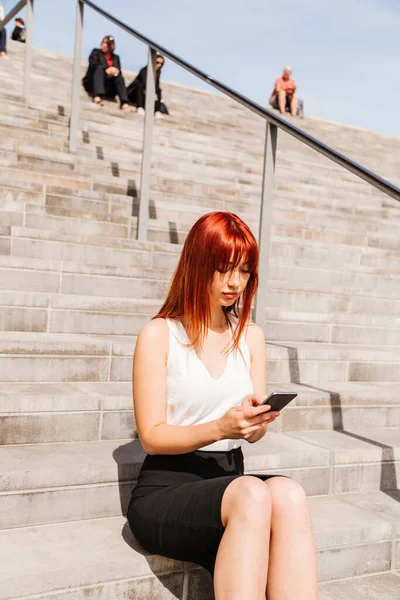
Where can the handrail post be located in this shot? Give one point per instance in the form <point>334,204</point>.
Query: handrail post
<point>28,49</point>
<point>264,241</point>
<point>143,216</point>
<point>76,78</point>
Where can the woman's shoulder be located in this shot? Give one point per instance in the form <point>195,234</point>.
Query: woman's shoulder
<point>95,53</point>
<point>254,336</point>
<point>154,330</point>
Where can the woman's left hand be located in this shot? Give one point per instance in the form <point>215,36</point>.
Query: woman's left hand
<point>255,400</point>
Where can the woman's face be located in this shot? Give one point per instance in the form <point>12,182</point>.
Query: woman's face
<point>228,286</point>
<point>104,46</point>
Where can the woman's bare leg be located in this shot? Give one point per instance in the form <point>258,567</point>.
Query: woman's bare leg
<point>293,105</point>
<point>292,569</point>
<point>282,102</point>
<point>240,568</point>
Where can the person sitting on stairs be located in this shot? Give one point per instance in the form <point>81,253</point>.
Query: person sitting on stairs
<point>283,96</point>
<point>104,78</point>
<point>19,33</point>
<point>199,378</point>
<point>3,34</point>
<point>137,90</point>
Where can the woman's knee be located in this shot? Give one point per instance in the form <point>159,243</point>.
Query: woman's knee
<point>287,496</point>
<point>247,498</point>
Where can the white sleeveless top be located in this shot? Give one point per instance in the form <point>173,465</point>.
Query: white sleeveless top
<point>193,396</point>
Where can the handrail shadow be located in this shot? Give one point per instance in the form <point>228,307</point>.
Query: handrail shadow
<point>129,458</point>
<point>388,467</point>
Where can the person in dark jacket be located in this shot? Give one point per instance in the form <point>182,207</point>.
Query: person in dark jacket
<point>104,78</point>
<point>3,34</point>
<point>19,33</point>
<point>137,89</point>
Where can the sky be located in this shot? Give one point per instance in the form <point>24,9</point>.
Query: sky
<point>343,52</point>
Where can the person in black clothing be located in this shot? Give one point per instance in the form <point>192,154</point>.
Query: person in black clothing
<point>3,34</point>
<point>104,78</point>
<point>137,89</point>
<point>19,33</point>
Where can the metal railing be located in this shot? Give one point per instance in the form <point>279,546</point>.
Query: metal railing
<point>273,122</point>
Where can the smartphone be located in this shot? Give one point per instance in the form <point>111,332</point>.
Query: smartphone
<point>278,400</point>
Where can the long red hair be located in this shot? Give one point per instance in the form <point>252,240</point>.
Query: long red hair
<point>218,240</point>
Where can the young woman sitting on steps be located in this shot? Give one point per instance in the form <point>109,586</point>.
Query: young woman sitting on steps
<point>104,77</point>
<point>199,376</point>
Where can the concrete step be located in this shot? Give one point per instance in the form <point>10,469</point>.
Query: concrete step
<point>61,313</point>
<point>71,313</point>
<point>64,412</point>
<point>354,292</point>
<point>59,219</point>
<point>363,588</point>
<point>31,356</point>
<point>167,158</point>
<point>180,209</point>
<point>43,277</point>
<point>93,554</point>
<point>38,243</point>
<point>127,158</point>
<point>109,469</point>
<point>95,249</point>
<point>67,214</point>
<point>163,163</point>
<point>300,232</point>
<point>39,412</point>
<point>73,180</point>
<point>285,247</point>
<point>44,357</point>
<point>166,206</point>
<point>41,484</point>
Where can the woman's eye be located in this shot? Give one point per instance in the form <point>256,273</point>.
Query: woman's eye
<point>245,271</point>
<point>223,271</point>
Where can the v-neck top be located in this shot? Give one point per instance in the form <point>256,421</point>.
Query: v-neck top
<point>193,396</point>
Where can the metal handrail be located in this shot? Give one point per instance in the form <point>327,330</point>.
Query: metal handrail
<point>272,120</point>
<point>372,178</point>
<point>11,13</point>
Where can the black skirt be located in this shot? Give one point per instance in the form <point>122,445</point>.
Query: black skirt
<point>175,508</point>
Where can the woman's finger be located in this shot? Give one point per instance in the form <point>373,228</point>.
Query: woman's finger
<point>269,417</point>
<point>253,412</point>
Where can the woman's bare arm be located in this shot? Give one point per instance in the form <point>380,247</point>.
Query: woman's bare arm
<point>258,358</point>
<point>150,398</point>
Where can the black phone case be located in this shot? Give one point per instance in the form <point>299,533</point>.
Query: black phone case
<point>280,399</point>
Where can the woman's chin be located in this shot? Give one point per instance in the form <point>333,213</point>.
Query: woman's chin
<point>226,302</point>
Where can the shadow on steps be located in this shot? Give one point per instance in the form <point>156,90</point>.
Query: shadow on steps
<point>388,467</point>
<point>129,458</point>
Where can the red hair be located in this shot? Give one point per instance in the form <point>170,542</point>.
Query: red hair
<point>218,240</point>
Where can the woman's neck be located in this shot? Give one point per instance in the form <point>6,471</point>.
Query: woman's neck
<point>218,320</point>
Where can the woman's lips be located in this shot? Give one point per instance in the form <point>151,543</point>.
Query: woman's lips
<point>230,295</point>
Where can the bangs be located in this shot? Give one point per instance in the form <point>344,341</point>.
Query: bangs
<point>233,247</point>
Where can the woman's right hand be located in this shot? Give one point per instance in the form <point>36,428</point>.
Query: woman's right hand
<point>240,422</point>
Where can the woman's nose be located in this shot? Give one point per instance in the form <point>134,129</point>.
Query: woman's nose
<point>234,279</point>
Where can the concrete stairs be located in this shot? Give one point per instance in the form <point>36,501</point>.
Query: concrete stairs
<point>76,286</point>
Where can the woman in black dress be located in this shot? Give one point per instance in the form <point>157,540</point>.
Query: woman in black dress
<point>104,77</point>
<point>199,377</point>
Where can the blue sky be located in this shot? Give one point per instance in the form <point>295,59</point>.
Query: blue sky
<point>345,53</point>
